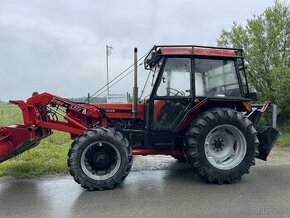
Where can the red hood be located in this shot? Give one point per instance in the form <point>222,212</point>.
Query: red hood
<point>122,110</point>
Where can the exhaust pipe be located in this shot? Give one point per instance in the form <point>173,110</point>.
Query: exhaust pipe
<point>135,87</point>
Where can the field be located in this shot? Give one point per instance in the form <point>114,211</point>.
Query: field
<point>51,155</point>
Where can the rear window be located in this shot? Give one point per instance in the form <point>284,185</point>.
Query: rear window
<point>216,78</point>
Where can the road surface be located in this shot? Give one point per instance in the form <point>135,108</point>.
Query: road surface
<point>156,187</point>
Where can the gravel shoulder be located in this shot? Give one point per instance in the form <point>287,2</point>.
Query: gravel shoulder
<point>278,156</point>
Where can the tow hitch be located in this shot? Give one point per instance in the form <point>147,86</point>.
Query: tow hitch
<point>267,135</point>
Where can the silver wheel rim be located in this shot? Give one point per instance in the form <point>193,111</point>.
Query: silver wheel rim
<point>93,171</point>
<point>225,147</point>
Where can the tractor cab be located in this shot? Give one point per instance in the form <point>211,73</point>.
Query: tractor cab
<point>185,78</point>
<point>197,71</point>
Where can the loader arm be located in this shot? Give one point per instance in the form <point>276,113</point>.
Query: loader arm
<point>43,113</point>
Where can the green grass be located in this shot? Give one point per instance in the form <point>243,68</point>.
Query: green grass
<point>284,139</point>
<point>49,157</point>
<point>9,114</point>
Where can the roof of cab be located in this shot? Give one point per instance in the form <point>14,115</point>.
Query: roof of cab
<point>217,52</point>
<point>159,50</point>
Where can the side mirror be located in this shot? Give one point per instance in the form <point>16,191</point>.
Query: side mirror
<point>253,96</point>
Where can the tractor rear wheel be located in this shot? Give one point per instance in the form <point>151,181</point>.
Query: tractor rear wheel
<point>100,159</point>
<point>220,145</point>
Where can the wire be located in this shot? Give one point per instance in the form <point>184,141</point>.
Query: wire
<point>111,81</point>
<point>101,89</point>
<point>116,82</point>
<point>143,90</point>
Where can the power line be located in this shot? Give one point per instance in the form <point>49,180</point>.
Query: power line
<point>108,84</point>
<point>116,81</point>
<point>143,90</point>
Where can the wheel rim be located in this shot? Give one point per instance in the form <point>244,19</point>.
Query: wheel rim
<point>225,147</point>
<point>100,160</point>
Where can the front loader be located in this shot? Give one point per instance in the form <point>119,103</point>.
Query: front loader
<point>198,109</point>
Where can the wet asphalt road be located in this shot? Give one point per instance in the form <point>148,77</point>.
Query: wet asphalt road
<point>155,188</point>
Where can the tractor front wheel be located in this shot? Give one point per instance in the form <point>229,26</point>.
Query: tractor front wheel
<point>220,145</point>
<point>100,159</point>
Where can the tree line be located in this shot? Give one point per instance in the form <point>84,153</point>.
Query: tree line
<point>265,39</point>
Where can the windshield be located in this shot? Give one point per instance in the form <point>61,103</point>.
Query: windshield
<point>147,89</point>
<point>175,80</point>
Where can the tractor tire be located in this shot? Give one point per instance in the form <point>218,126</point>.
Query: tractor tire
<point>221,145</point>
<point>100,159</point>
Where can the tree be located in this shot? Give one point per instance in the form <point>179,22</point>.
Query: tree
<point>265,40</point>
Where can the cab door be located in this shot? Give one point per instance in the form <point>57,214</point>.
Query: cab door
<point>171,96</point>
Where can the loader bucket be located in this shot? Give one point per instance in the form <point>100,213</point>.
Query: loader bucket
<point>16,139</point>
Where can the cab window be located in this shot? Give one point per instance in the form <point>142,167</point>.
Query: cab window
<point>175,79</point>
<point>216,78</point>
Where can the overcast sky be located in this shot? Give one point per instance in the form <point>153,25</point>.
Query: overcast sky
<point>59,46</point>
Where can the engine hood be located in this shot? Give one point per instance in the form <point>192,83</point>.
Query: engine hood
<point>122,110</point>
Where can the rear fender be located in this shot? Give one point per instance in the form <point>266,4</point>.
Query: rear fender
<point>200,105</point>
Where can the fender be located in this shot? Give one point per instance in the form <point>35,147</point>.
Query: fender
<point>193,110</point>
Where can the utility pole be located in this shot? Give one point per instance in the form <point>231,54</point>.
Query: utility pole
<point>108,53</point>
<point>89,97</point>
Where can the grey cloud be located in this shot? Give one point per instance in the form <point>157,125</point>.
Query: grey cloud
<point>59,46</point>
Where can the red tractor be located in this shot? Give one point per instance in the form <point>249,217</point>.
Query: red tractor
<point>198,110</point>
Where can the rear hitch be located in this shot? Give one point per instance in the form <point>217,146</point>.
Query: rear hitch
<point>267,135</point>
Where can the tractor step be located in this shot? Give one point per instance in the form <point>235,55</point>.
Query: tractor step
<point>16,139</point>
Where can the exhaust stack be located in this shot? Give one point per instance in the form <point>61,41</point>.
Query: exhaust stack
<point>135,87</point>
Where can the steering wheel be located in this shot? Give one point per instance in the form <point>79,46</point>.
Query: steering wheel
<point>175,92</point>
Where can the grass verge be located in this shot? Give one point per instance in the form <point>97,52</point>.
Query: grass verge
<point>284,139</point>
<point>49,157</point>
